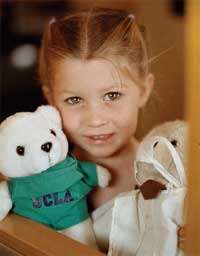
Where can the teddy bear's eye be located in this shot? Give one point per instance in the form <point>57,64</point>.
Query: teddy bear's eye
<point>53,132</point>
<point>174,143</point>
<point>20,150</point>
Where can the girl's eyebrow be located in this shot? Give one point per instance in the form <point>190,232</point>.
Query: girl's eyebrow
<point>111,87</point>
<point>116,86</point>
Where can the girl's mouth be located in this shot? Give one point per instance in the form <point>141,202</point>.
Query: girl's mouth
<point>100,139</point>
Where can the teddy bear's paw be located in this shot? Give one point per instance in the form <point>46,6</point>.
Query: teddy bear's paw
<point>103,175</point>
<point>5,200</point>
<point>4,209</point>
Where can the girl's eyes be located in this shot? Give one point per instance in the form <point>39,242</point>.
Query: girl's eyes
<point>73,100</point>
<point>111,96</point>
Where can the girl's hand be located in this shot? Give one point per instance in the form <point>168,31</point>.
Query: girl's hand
<point>181,237</point>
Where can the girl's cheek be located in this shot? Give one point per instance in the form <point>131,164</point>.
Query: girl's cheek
<point>71,120</point>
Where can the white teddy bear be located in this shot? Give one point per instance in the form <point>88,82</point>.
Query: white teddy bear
<point>146,220</point>
<point>43,182</point>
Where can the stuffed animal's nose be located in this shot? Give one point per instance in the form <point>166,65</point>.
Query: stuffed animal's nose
<point>46,147</point>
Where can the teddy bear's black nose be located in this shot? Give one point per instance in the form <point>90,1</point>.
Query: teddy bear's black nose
<point>46,147</point>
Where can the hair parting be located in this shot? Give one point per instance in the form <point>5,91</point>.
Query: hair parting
<point>102,33</point>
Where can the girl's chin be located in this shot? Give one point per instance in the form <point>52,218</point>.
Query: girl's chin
<point>96,153</point>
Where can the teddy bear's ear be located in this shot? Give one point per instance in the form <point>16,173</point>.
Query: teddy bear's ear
<point>50,113</point>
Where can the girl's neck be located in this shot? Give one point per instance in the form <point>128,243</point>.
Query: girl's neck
<point>127,153</point>
<point>121,167</point>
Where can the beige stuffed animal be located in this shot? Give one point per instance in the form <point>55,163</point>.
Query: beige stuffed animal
<point>175,132</point>
<point>145,221</point>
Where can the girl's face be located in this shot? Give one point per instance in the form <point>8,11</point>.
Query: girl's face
<point>99,109</point>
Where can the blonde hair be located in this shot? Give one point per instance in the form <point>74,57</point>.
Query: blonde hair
<point>98,33</point>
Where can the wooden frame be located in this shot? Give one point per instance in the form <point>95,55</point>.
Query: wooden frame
<point>192,48</point>
<point>22,236</point>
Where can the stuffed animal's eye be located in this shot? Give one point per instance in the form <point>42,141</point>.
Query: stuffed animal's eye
<point>155,144</point>
<point>20,150</point>
<point>53,132</point>
<point>174,143</point>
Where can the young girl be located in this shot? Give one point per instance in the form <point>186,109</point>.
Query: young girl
<point>94,69</point>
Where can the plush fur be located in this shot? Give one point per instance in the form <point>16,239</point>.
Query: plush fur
<point>31,130</point>
<point>175,132</point>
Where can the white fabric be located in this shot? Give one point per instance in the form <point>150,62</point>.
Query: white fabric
<point>102,218</point>
<point>146,227</point>
<point>149,227</point>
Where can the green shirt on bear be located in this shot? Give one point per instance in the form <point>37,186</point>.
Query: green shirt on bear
<point>55,197</point>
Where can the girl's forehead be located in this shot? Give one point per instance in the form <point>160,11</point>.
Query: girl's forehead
<point>72,67</point>
<point>77,72</point>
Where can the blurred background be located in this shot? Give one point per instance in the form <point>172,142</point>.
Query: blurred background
<point>21,26</point>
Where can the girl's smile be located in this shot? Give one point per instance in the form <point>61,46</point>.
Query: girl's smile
<point>100,139</point>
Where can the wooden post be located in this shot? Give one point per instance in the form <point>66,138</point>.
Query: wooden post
<point>22,236</point>
<point>192,69</point>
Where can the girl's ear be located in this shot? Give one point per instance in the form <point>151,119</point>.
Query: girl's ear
<point>47,94</point>
<point>146,89</point>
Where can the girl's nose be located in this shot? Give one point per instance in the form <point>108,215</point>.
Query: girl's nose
<point>96,116</point>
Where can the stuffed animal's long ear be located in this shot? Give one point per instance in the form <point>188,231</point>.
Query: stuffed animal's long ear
<point>50,113</point>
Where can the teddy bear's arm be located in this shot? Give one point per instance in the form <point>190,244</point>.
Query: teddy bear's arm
<point>94,175</point>
<point>103,176</point>
<point>5,200</point>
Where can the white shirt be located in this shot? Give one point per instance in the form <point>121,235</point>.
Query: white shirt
<point>102,218</point>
